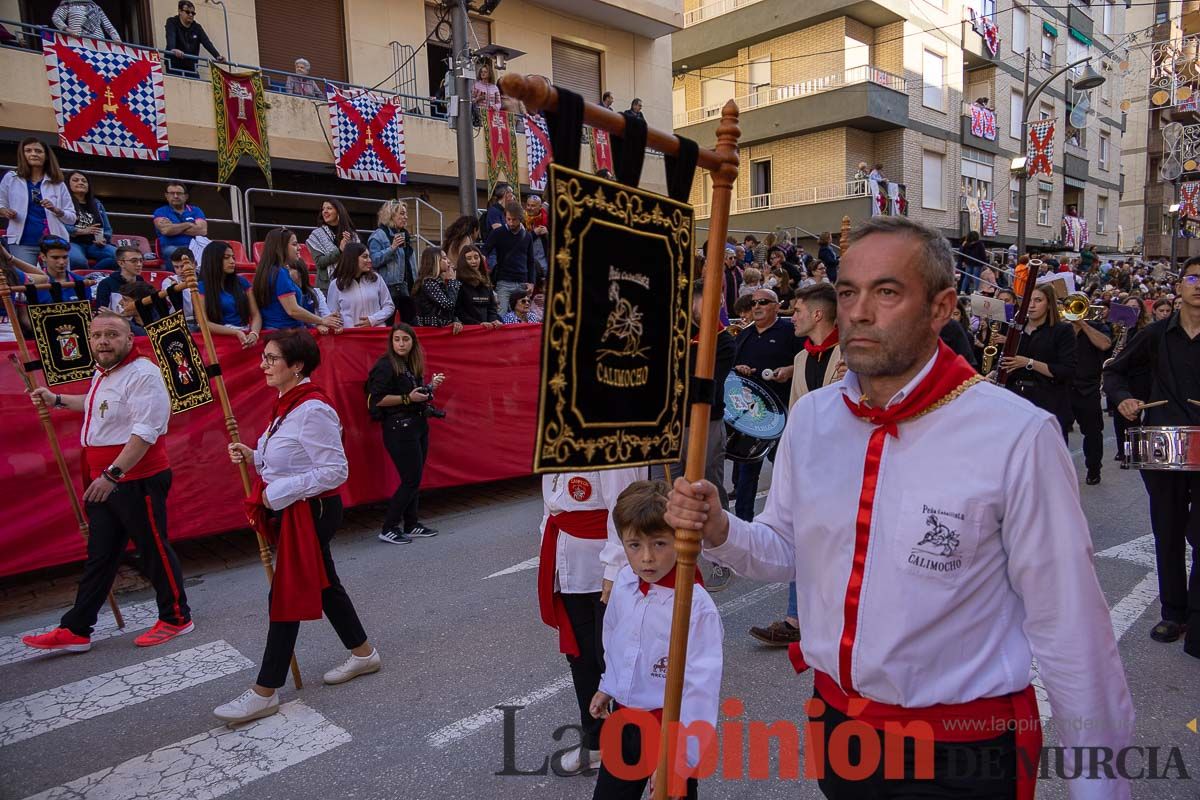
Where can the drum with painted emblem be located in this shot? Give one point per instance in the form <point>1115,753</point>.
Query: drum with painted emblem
<point>1163,447</point>
<point>754,419</point>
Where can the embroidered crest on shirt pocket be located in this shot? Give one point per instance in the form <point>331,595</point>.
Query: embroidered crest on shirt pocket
<point>936,537</point>
<point>659,670</point>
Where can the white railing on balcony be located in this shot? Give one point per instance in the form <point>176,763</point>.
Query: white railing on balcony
<point>771,95</point>
<point>797,197</point>
<point>710,10</point>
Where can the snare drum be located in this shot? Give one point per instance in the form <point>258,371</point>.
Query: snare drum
<point>1164,447</point>
<point>754,419</point>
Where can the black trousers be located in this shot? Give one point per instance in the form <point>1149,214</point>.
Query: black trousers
<point>138,509</point>
<point>985,770</point>
<point>406,439</point>
<point>1120,425</point>
<point>1087,413</point>
<point>586,613</point>
<point>339,610</point>
<point>610,787</point>
<point>1175,520</point>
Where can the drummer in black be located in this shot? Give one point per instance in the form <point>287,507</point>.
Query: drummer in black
<point>768,344</point>
<point>1170,350</point>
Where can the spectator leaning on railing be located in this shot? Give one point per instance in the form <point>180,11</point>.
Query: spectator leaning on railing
<point>476,299</point>
<point>357,294</point>
<point>436,292</point>
<point>523,310</point>
<point>185,37</point>
<point>512,246</point>
<point>83,18</point>
<point>334,232</point>
<point>392,253</point>
<point>35,200</point>
<point>277,295</point>
<point>304,87</point>
<point>228,299</point>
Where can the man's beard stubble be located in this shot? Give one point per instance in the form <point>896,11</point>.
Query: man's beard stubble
<point>897,353</point>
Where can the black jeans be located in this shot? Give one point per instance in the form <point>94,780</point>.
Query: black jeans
<point>1087,413</point>
<point>136,508</point>
<point>985,770</point>
<point>338,608</point>
<point>586,613</point>
<point>1175,520</point>
<point>406,438</point>
<point>610,787</point>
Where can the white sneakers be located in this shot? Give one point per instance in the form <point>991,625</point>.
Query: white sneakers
<point>352,667</point>
<point>249,705</point>
<point>580,759</point>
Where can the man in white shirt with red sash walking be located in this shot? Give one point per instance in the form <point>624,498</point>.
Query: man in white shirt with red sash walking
<point>939,548</point>
<point>125,415</point>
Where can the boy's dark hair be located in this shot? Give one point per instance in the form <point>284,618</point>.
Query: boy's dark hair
<point>640,509</point>
<point>180,253</point>
<point>743,304</point>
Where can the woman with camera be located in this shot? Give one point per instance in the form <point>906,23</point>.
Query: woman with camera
<point>399,398</point>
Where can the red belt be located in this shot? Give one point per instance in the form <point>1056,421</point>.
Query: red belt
<point>974,721</point>
<point>97,458</point>
<point>581,525</point>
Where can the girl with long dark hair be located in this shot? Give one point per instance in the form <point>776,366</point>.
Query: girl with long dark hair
<point>92,231</point>
<point>357,294</point>
<point>229,302</point>
<point>476,299</point>
<point>436,291</point>
<point>1044,366</point>
<point>399,398</point>
<point>277,295</point>
<point>332,234</point>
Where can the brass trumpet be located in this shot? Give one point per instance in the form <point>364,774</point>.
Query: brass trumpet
<point>1078,306</point>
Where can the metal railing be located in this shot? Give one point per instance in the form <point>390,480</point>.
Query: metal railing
<point>771,95</point>
<point>710,10</point>
<point>795,197</point>
<point>417,203</point>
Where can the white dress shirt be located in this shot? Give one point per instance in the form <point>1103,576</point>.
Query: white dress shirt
<point>578,565</point>
<point>637,639</point>
<point>978,560</point>
<point>131,400</point>
<point>362,298</point>
<point>304,457</point>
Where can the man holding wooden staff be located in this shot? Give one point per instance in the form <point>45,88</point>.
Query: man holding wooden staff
<point>931,522</point>
<point>125,415</point>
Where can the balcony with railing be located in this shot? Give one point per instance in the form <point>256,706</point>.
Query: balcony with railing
<point>865,97</point>
<point>808,196</point>
<point>713,9</point>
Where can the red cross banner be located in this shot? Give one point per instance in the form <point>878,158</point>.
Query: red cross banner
<point>241,112</point>
<point>1189,195</point>
<point>602,154</point>
<point>987,217</point>
<point>108,98</point>
<point>1041,147</point>
<point>368,135</point>
<point>501,149</point>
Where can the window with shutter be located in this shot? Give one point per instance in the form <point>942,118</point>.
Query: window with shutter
<point>576,68</point>
<point>321,39</point>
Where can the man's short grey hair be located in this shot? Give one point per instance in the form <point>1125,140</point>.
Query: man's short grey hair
<point>937,258</point>
<point>769,292</point>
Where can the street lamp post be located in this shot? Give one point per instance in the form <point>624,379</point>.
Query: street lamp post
<point>468,193</point>
<point>1090,80</point>
<point>1174,213</point>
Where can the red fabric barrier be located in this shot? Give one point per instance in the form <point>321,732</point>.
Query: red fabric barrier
<point>490,397</point>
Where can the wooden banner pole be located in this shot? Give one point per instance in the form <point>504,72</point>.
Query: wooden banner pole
<point>48,426</point>
<point>537,93</point>
<point>231,426</point>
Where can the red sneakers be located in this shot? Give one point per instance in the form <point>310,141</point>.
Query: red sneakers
<point>58,639</point>
<point>163,632</point>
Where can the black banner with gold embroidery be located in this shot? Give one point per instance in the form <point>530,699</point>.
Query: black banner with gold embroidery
<point>615,338</point>
<point>180,362</point>
<point>61,332</point>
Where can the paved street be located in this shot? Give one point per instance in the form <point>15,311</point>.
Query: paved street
<point>455,620</point>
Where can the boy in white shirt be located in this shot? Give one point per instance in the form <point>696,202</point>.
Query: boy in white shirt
<point>637,632</point>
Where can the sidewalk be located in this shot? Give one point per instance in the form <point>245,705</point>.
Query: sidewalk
<point>54,587</point>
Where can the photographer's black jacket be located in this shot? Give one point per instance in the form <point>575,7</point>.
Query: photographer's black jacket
<point>383,381</point>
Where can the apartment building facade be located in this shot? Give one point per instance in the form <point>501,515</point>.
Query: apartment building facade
<point>825,85</point>
<point>397,46</point>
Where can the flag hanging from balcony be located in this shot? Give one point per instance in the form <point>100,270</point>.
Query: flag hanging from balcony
<point>987,217</point>
<point>537,151</point>
<point>602,154</point>
<point>241,111</point>
<point>983,122</point>
<point>368,135</point>
<point>108,97</point>
<point>1041,147</point>
<point>501,149</point>
<point>1189,195</point>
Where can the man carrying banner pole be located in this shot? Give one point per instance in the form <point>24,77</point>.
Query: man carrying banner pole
<point>125,415</point>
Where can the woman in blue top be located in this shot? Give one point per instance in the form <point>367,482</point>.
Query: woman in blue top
<point>35,199</point>
<point>92,232</point>
<point>231,310</point>
<point>277,295</point>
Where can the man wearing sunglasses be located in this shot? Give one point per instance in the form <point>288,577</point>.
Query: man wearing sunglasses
<point>185,36</point>
<point>1169,350</point>
<point>769,344</point>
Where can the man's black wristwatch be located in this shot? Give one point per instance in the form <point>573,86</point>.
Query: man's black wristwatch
<point>58,403</point>
<point>113,473</point>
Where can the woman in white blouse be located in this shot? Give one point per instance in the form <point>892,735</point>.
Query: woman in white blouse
<point>300,462</point>
<point>357,292</point>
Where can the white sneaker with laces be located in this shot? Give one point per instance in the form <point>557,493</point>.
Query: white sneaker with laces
<point>354,666</point>
<point>581,759</point>
<point>249,705</point>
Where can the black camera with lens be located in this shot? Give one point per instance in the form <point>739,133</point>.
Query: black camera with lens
<point>430,412</point>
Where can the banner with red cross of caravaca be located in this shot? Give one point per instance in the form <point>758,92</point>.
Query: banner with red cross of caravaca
<point>108,97</point>
<point>241,111</point>
<point>502,150</point>
<point>602,154</point>
<point>368,135</point>
<point>1041,147</point>
<point>1189,199</point>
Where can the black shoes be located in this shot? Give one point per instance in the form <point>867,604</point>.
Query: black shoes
<point>1167,631</point>
<point>420,531</point>
<point>394,536</point>
<point>1093,477</point>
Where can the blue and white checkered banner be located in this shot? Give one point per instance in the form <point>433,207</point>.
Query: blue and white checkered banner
<point>368,135</point>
